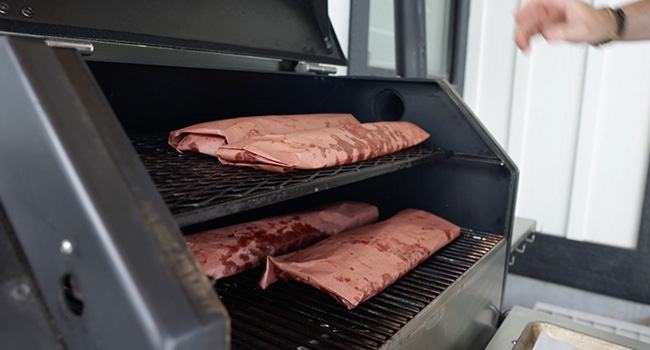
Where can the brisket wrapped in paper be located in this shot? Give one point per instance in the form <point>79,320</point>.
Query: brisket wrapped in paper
<point>358,264</point>
<point>321,148</point>
<point>229,250</point>
<point>208,137</point>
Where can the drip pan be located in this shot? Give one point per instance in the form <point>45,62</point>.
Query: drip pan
<point>543,335</point>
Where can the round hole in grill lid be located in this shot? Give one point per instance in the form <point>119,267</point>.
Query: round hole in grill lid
<point>388,106</point>
<point>71,295</point>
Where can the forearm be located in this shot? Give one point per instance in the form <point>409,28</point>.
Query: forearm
<point>637,25</point>
<point>578,21</point>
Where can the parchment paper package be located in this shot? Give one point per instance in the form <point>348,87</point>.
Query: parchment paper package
<point>229,250</point>
<point>321,148</point>
<point>207,137</point>
<point>358,264</point>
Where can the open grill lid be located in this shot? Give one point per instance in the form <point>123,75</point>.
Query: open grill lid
<point>297,30</point>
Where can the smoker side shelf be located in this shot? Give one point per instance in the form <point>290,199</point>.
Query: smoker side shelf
<point>297,316</point>
<point>198,188</point>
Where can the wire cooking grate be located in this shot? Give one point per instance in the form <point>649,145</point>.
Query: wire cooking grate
<point>297,316</point>
<point>198,188</point>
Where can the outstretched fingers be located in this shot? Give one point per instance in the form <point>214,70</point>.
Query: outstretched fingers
<point>538,17</point>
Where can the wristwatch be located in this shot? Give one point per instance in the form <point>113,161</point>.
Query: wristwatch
<point>620,18</point>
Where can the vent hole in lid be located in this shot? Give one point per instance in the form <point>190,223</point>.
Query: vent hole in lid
<point>71,295</point>
<point>389,106</point>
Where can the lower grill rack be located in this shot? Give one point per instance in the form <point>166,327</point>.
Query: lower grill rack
<point>297,316</point>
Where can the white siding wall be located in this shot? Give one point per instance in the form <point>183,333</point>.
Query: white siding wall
<point>339,13</point>
<point>575,119</point>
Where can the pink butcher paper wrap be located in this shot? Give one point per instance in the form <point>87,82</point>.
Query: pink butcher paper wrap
<point>321,148</point>
<point>208,137</point>
<point>356,265</point>
<point>229,250</point>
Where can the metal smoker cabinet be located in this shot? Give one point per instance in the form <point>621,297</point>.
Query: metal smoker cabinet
<point>95,205</point>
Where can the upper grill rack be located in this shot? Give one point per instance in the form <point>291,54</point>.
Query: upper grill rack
<point>297,316</point>
<point>198,188</point>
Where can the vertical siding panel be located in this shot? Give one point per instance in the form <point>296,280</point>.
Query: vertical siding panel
<point>584,166</point>
<point>475,53</point>
<point>490,61</point>
<point>339,13</point>
<point>613,150</point>
<point>545,117</point>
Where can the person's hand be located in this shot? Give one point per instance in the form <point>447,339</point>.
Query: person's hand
<point>567,20</point>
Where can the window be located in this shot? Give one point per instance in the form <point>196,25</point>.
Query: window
<point>445,31</point>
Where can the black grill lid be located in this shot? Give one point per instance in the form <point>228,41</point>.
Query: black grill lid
<point>283,29</point>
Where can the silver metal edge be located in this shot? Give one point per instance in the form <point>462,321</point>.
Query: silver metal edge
<point>519,317</point>
<point>103,51</point>
<point>430,312</point>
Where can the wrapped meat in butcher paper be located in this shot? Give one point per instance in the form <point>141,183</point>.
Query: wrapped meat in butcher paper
<point>207,137</point>
<point>321,148</point>
<point>358,264</point>
<point>229,250</point>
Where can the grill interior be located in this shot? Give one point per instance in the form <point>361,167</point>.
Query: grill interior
<point>136,243</point>
<point>198,188</point>
<point>297,316</point>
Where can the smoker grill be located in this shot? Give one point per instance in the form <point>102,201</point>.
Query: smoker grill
<point>94,204</point>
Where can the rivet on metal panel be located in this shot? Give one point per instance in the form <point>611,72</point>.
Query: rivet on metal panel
<point>4,8</point>
<point>21,291</point>
<point>514,342</point>
<point>66,247</point>
<point>27,11</point>
<point>521,249</point>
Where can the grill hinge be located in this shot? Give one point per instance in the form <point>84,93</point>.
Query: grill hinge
<point>84,48</point>
<point>307,67</point>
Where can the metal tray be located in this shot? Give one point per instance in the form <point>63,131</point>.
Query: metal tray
<point>579,340</point>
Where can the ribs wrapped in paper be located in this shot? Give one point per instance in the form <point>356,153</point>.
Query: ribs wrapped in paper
<point>229,250</point>
<point>321,148</point>
<point>207,137</point>
<point>358,264</point>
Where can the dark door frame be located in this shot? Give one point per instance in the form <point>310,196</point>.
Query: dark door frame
<point>457,43</point>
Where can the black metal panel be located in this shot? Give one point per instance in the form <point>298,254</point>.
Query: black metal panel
<point>198,188</point>
<point>359,29</point>
<point>268,28</point>
<point>25,321</point>
<point>447,187</point>
<point>155,98</point>
<point>410,38</point>
<point>457,49</point>
<point>617,272</point>
<point>110,262</point>
<point>297,316</point>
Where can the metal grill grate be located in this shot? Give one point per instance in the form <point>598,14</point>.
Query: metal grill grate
<point>297,316</point>
<point>198,188</point>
